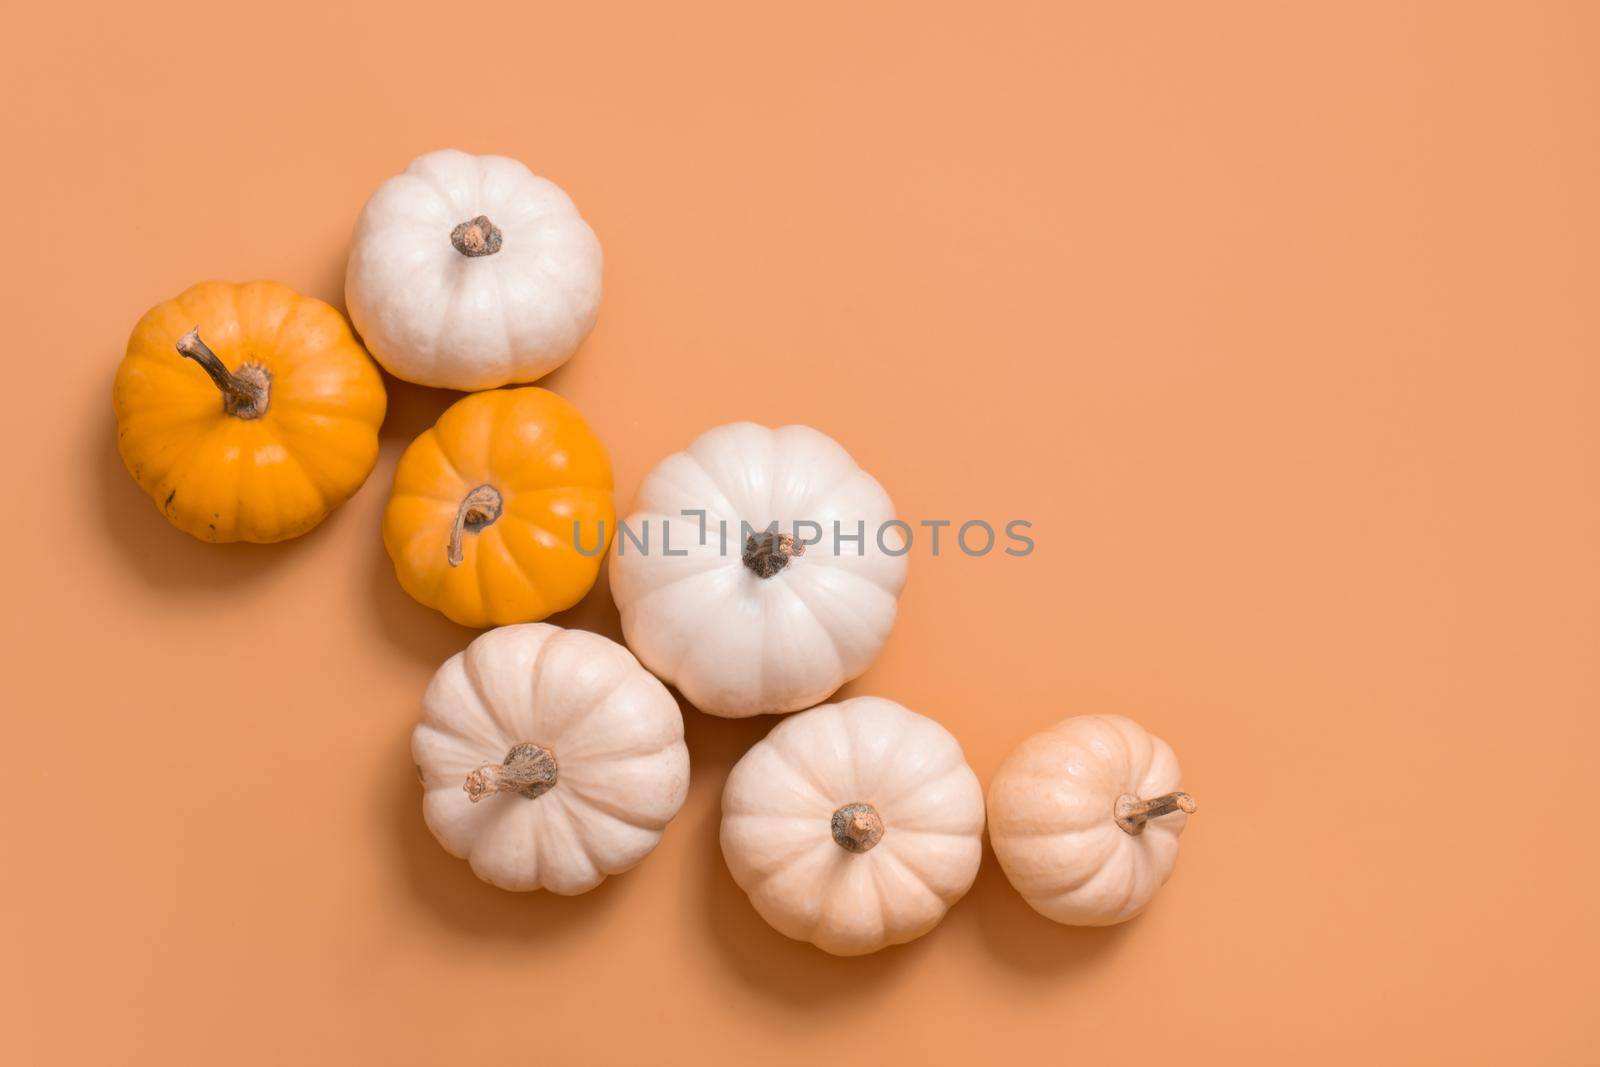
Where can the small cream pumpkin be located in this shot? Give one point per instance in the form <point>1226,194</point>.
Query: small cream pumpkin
<point>469,272</point>
<point>724,600</point>
<point>1085,819</point>
<point>549,758</point>
<point>853,825</point>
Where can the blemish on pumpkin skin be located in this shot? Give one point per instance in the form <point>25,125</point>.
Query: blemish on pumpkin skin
<point>170,495</point>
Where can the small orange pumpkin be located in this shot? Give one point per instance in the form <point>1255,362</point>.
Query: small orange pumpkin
<point>501,512</point>
<point>264,450</point>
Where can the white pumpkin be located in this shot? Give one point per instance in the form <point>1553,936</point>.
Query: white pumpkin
<point>734,607</point>
<point>853,825</point>
<point>469,272</point>
<point>549,758</point>
<point>1085,819</point>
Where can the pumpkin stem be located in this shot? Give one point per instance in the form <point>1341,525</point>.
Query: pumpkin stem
<point>857,827</point>
<point>528,769</point>
<point>1132,813</point>
<point>769,552</point>
<point>478,509</point>
<point>477,237</point>
<point>244,391</point>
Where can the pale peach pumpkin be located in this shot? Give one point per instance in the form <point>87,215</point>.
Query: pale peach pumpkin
<point>854,825</point>
<point>1085,819</point>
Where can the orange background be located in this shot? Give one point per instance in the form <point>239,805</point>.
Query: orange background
<point>1277,320</point>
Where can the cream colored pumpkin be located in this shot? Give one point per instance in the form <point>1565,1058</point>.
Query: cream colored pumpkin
<point>853,825</point>
<point>469,272</point>
<point>1085,819</point>
<point>549,758</point>
<point>732,606</point>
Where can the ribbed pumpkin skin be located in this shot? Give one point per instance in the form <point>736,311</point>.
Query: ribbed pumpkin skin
<point>705,622</point>
<point>1051,820</point>
<point>615,733</point>
<point>224,478</point>
<point>780,801</point>
<point>438,317</point>
<point>551,472</point>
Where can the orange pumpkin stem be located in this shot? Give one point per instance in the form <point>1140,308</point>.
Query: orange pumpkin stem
<point>478,509</point>
<point>1132,813</point>
<point>528,769</point>
<point>244,392</point>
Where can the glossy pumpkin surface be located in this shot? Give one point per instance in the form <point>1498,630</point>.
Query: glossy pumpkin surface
<point>279,431</point>
<point>491,505</point>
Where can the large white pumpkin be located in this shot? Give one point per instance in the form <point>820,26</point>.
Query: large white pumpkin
<point>749,618</point>
<point>549,758</point>
<point>854,825</point>
<point>469,272</point>
<point>1085,819</point>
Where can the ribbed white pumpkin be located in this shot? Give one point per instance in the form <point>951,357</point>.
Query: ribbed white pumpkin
<point>1085,819</point>
<point>746,623</point>
<point>853,825</point>
<point>469,272</point>
<point>549,758</point>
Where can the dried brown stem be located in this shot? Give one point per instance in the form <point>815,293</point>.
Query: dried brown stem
<point>477,237</point>
<point>528,769</point>
<point>1132,813</point>
<point>478,509</point>
<point>857,827</point>
<point>245,392</point>
<point>768,552</point>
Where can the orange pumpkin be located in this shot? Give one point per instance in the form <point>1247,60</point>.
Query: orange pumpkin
<point>247,412</point>
<point>501,512</point>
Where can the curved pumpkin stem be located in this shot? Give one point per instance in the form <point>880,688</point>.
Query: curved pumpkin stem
<point>478,509</point>
<point>1132,813</point>
<point>244,392</point>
